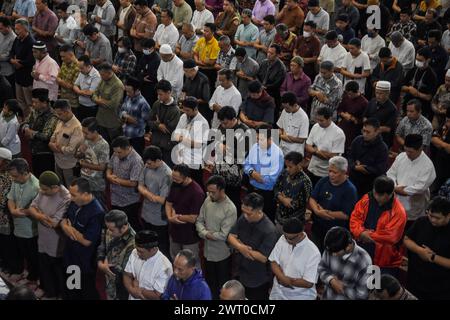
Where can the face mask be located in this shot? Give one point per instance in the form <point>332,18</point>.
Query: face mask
<point>420,64</point>
<point>306,34</point>
<point>146,52</point>
<point>121,50</point>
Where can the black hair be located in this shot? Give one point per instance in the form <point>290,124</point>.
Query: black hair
<point>62,6</point>
<point>227,73</point>
<point>352,86</point>
<point>355,42</point>
<point>440,205</point>
<point>435,33</point>
<point>90,123</point>
<point>240,52</point>
<point>424,52</point>
<point>255,86</point>
<point>164,85</point>
<point>5,21</point>
<point>337,239</point>
<point>254,201</point>
<point>82,184</point>
<point>118,217</point>
<point>211,26</point>
<point>289,97</point>
<point>416,103</point>
<point>390,284</point>
<point>169,13</point>
<point>270,19</point>
<point>13,106</point>
<point>226,113</point>
<point>147,239</point>
<point>66,48</point>
<point>218,181</point>
<point>324,112</point>
<point>385,52</point>
<point>62,104</point>
<point>152,153</point>
<point>293,225</point>
<point>182,169</point>
<point>126,42</point>
<point>148,43</point>
<point>86,60</point>
<point>294,157</point>
<point>20,165</point>
<point>277,48</point>
<point>105,66</point>
<point>89,30</point>
<point>121,142</point>
<point>331,35</point>
<point>141,3</point>
<point>310,23</point>
<point>414,141</point>
<point>384,185</point>
<point>373,122</point>
<point>133,82</point>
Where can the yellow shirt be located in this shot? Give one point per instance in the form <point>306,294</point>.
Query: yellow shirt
<point>433,5</point>
<point>207,50</point>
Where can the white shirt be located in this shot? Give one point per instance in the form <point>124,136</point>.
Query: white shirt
<point>196,129</point>
<point>8,134</point>
<point>172,71</point>
<point>296,262</point>
<point>362,62</point>
<point>100,14</point>
<point>167,35</point>
<point>405,54</point>
<point>122,15</point>
<point>330,139</point>
<point>417,176</point>
<point>295,125</point>
<point>335,55</point>
<point>230,97</point>
<point>65,27</point>
<point>152,274</point>
<point>372,47</point>
<point>200,18</point>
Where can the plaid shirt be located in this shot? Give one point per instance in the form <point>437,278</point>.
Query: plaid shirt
<point>138,108</point>
<point>127,62</point>
<point>69,73</point>
<point>225,59</point>
<point>351,270</point>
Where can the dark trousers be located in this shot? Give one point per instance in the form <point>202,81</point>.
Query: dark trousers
<point>167,157</point>
<point>216,274</point>
<point>9,254</point>
<point>51,275</point>
<point>258,293</point>
<point>234,193</point>
<point>86,112</point>
<point>28,253</point>
<point>138,144</point>
<point>163,237</point>
<point>87,289</point>
<point>133,214</point>
<point>212,77</point>
<point>109,134</point>
<point>269,203</point>
<point>42,162</point>
<point>314,179</point>
<point>197,176</point>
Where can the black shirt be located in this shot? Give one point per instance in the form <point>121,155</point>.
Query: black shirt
<point>147,66</point>
<point>261,236</point>
<point>425,81</point>
<point>386,113</point>
<point>23,51</point>
<point>426,279</point>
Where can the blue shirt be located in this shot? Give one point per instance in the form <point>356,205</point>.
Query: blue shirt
<point>138,108</point>
<point>269,163</point>
<point>194,288</point>
<point>88,220</point>
<point>248,33</point>
<point>334,198</point>
<point>25,8</point>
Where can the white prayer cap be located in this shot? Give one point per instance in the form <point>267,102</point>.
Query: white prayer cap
<point>383,85</point>
<point>165,49</point>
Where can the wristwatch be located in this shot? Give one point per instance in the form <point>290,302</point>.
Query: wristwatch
<point>250,172</point>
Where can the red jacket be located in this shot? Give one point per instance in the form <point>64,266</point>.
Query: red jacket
<point>388,234</point>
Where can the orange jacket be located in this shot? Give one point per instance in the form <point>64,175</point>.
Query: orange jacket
<point>388,234</point>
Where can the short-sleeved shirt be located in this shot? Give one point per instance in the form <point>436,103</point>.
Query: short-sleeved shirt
<point>425,278</point>
<point>187,45</point>
<point>157,181</point>
<point>51,241</point>
<point>357,65</point>
<point>23,195</point>
<point>300,261</point>
<point>90,82</point>
<point>331,139</point>
<point>88,220</point>
<point>185,200</point>
<point>420,126</point>
<point>128,168</point>
<point>96,153</point>
<point>295,125</point>
<point>26,8</point>
<point>207,50</point>
<point>334,198</point>
<point>260,236</point>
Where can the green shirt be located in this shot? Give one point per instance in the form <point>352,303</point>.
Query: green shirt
<point>23,195</point>
<point>111,91</point>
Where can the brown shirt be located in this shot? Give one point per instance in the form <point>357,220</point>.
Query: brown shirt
<point>144,24</point>
<point>292,17</point>
<point>69,136</point>
<point>228,24</point>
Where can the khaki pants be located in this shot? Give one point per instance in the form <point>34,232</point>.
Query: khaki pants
<point>24,96</point>
<point>66,175</point>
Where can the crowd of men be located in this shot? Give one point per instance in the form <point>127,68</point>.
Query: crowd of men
<point>209,149</point>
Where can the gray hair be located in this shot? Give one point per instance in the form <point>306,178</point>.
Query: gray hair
<point>189,25</point>
<point>23,22</point>
<point>118,217</point>
<point>237,288</point>
<point>339,162</point>
<point>190,257</point>
<point>225,39</point>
